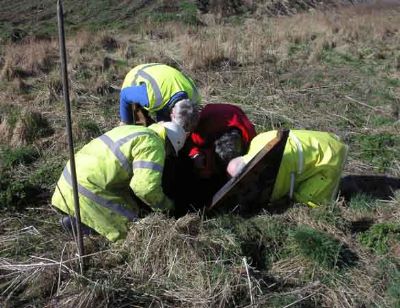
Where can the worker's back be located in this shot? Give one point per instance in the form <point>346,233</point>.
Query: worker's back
<point>312,163</point>
<point>162,83</point>
<point>105,169</point>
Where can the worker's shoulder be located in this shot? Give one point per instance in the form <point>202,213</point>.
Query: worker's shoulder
<point>130,132</point>
<point>315,134</point>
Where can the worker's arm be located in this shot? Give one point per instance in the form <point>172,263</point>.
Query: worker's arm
<point>148,164</point>
<point>131,95</point>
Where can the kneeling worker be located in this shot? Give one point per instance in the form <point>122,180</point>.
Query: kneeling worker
<point>125,159</point>
<point>310,169</point>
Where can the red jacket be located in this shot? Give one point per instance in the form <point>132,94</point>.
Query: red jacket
<point>215,120</point>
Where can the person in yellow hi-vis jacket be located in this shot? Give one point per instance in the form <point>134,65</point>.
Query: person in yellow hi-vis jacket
<point>157,88</point>
<point>310,169</point>
<point>125,159</point>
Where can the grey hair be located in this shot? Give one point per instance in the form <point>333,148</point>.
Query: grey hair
<point>229,146</point>
<point>186,114</point>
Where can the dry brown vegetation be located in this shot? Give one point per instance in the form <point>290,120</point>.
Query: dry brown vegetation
<point>336,70</point>
<point>28,58</point>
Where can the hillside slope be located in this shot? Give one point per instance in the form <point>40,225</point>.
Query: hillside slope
<point>336,70</point>
<point>38,17</point>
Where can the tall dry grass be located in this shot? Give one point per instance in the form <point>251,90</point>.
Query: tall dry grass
<point>29,58</point>
<point>255,41</point>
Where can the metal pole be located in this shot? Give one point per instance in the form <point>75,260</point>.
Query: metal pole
<point>64,73</point>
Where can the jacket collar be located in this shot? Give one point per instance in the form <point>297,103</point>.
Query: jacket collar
<point>159,130</point>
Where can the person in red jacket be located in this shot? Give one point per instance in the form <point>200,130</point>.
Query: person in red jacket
<point>222,133</point>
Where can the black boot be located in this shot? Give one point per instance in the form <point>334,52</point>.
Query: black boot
<point>69,222</point>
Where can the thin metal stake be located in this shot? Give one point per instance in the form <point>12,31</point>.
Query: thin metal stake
<point>64,73</point>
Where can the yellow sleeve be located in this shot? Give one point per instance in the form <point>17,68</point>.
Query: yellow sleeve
<point>148,164</point>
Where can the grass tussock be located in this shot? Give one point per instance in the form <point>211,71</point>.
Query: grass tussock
<point>335,71</point>
<point>207,54</point>
<point>224,261</point>
<point>30,58</point>
<point>321,248</point>
<point>20,128</point>
<point>191,267</point>
<point>379,236</point>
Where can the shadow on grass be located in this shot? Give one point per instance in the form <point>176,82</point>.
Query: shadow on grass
<point>361,225</point>
<point>347,257</point>
<point>378,187</point>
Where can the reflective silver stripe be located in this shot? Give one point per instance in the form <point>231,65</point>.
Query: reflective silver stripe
<point>125,139</point>
<point>144,67</point>
<point>115,148</point>
<point>115,207</point>
<point>154,85</point>
<point>117,152</point>
<point>147,165</point>
<point>300,161</point>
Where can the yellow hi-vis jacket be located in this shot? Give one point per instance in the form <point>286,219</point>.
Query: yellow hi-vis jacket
<point>162,82</point>
<point>126,157</point>
<point>311,165</point>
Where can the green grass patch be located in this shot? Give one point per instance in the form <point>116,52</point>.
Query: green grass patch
<point>11,157</point>
<point>11,114</point>
<point>23,175</point>
<point>281,300</point>
<point>184,12</point>
<point>83,74</point>
<point>333,57</point>
<point>331,215</point>
<point>392,82</point>
<point>377,121</point>
<point>380,236</point>
<point>89,128</point>
<point>37,126</point>
<point>393,290</point>
<point>15,193</point>
<point>321,248</point>
<point>381,95</point>
<point>389,271</point>
<point>381,150</point>
<point>261,238</point>
<point>47,173</point>
<point>363,203</point>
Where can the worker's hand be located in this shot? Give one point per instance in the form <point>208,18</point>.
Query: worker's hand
<point>199,161</point>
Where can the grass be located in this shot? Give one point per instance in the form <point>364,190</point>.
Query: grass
<point>379,149</point>
<point>23,155</point>
<point>379,236</point>
<point>363,203</point>
<point>319,247</point>
<point>260,237</point>
<point>179,11</point>
<point>334,70</point>
<point>389,269</point>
